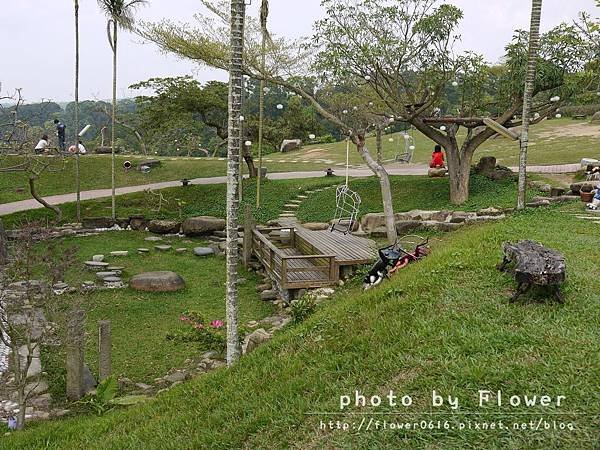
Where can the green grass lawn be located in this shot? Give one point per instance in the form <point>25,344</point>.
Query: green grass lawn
<point>552,142</point>
<point>442,324</point>
<point>140,321</point>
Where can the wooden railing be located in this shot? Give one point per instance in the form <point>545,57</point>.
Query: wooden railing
<point>293,271</point>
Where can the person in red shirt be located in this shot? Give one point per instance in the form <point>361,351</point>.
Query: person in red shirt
<point>437,158</point>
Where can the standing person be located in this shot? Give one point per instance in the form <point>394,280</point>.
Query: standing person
<point>61,130</point>
<point>42,145</point>
<point>437,158</point>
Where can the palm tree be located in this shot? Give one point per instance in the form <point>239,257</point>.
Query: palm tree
<point>120,15</point>
<point>236,90</point>
<point>77,173</point>
<point>534,44</point>
<point>264,14</point>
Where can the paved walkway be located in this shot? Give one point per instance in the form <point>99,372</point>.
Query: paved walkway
<point>409,169</point>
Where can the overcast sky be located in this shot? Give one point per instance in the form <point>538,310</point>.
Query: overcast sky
<point>37,49</point>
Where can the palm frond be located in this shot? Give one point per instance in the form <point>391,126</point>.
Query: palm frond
<point>121,11</point>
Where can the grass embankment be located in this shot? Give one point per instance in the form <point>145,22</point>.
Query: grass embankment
<point>442,324</point>
<point>194,200</point>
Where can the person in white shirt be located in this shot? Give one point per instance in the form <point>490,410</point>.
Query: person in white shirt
<point>42,145</point>
<point>82,150</point>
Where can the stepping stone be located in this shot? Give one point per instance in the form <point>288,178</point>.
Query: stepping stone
<point>292,205</point>
<point>120,253</point>
<point>157,282</point>
<point>287,215</point>
<point>115,269</point>
<point>153,239</point>
<point>103,275</point>
<point>98,258</point>
<point>163,248</point>
<point>203,251</point>
<point>181,250</point>
<point>296,201</point>
<point>143,250</point>
<point>96,265</point>
<point>113,280</point>
<point>302,196</point>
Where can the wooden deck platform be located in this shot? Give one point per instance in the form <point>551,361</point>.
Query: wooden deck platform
<point>309,259</point>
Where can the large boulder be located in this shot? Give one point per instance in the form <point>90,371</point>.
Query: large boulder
<point>439,172</point>
<point>157,282</point>
<point>290,145</point>
<point>255,339</point>
<point>596,117</point>
<point>138,222</point>
<point>486,165</point>
<point>164,226</point>
<point>372,221</point>
<point>198,226</point>
<point>406,226</point>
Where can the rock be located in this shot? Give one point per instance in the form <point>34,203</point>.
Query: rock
<point>486,165</point>
<point>540,186</point>
<point>439,172</point>
<point>181,250</point>
<point>440,216</point>
<point>151,163</point>
<point>458,217</point>
<point>204,251</point>
<point>36,388</point>
<point>254,339</point>
<point>406,226</point>
<point>102,275</point>
<point>35,368</point>
<point>164,226</point>
<point>175,377</point>
<point>138,222</point>
<point>268,295</point>
<point>113,280</point>
<point>264,287</point>
<point>163,248</point>
<point>289,145</point>
<point>157,282</point>
<point>120,253</point>
<point>153,239</point>
<point>97,222</point>
<point>586,186</point>
<point>441,226</point>
<point>98,258</point>
<point>198,226</point>
<point>557,191</point>
<point>96,265</point>
<point>89,382</point>
<point>315,226</point>
<point>490,212</point>
<point>538,204</point>
<point>143,250</point>
<point>596,117</point>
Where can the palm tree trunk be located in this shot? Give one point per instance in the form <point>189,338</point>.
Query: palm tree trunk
<point>534,42</point>
<point>261,119</point>
<point>77,169</point>
<point>114,114</point>
<point>233,166</point>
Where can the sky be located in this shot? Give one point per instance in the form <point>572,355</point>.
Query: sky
<point>37,40</point>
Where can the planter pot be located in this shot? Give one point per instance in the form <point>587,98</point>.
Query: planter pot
<point>586,197</point>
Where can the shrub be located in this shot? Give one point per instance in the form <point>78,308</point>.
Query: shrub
<point>302,308</point>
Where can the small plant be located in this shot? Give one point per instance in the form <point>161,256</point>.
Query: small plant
<point>211,336</point>
<point>106,398</point>
<point>302,308</point>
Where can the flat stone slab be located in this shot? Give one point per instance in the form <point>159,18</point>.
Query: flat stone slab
<point>153,239</point>
<point>104,275</point>
<point>143,250</point>
<point>96,264</point>
<point>115,269</point>
<point>113,280</point>
<point>120,253</point>
<point>163,281</point>
<point>181,250</point>
<point>163,248</point>
<point>98,258</point>
<point>204,251</point>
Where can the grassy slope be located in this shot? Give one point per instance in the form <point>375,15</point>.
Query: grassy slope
<point>410,335</point>
<point>551,149</point>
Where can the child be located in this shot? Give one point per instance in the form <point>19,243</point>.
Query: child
<point>596,201</point>
<point>437,158</point>
<point>42,145</point>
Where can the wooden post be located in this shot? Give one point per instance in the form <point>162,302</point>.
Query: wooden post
<point>75,354</point>
<point>104,349</point>
<point>3,246</point>
<point>283,272</point>
<point>249,226</point>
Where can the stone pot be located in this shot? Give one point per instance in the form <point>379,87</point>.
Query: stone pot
<point>586,197</point>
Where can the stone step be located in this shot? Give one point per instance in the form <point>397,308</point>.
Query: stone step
<point>296,201</point>
<point>292,205</point>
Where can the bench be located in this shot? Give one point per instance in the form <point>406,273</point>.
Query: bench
<point>534,265</point>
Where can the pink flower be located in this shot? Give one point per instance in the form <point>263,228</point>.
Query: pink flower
<point>217,323</point>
